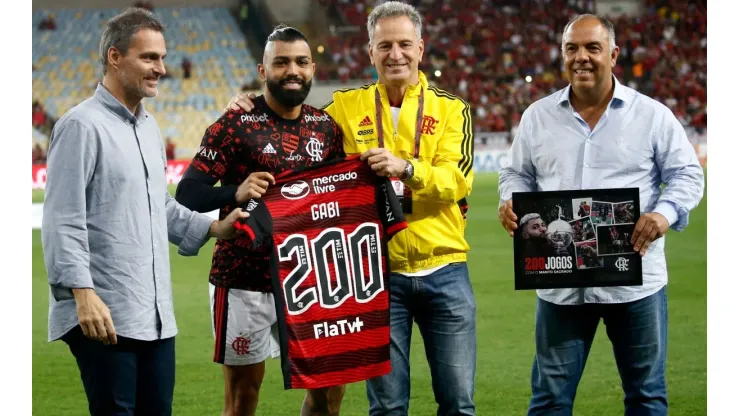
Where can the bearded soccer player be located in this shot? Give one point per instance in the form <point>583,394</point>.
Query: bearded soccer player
<point>243,150</point>
<point>534,233</point>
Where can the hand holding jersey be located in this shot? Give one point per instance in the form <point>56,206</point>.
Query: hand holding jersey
<point>330,269</point>
<point>224,229</point>
<point>384,163</point>
<point>254,186</point>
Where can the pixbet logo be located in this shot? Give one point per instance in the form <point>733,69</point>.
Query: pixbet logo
<point>253,118</point>
<point>308,118</point>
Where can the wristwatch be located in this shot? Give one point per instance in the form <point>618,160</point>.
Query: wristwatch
<point>408,171</point>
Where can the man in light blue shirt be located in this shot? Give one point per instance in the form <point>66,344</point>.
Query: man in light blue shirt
<point>107,221</point>
<point>597,133</point>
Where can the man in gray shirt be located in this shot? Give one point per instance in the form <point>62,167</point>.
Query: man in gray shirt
<point>107,220</point>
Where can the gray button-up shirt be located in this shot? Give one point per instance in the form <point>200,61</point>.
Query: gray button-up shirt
<point>108,217</point>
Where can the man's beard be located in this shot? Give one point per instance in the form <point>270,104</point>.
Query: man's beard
<point>289,98</point>
<point>132,88</point>
<point>536,238</point>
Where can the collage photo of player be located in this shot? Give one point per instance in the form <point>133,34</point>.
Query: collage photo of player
<point>601,229</point>
<point>548,233</point>
<point>607,230</point>
<point>582,227</point>
<point>576,238</point>
<point>584,234</point>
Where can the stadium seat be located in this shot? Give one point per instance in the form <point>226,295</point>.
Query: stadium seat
<point>210,37</point>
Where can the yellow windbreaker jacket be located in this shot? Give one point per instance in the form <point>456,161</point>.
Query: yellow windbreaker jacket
<point>443,172</point>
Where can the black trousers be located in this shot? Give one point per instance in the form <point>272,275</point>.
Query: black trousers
<point>130,378</point>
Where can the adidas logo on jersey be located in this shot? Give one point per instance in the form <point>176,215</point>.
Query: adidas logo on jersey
<point>269,149</point>
<point>366,122</point>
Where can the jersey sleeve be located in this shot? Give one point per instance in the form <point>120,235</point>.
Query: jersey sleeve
<point>215,152</point>
<point>389,209</point>
<point>258,226</point>
<point>197,192</point>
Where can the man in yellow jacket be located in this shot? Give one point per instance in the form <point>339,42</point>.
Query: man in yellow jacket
<point>422,138</point>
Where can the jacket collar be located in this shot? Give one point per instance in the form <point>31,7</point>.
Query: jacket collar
<point>411,90</point>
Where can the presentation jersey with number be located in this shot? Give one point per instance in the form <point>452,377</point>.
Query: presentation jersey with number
<point>328,227</point>
<point>240,143</point>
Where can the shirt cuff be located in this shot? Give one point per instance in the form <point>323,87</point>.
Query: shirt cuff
<point>668,210</point>
<point>196,236</point>
<point>62,282</point>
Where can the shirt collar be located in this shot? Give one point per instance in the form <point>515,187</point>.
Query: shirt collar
<point>116,107</point>
<point>619,97</point>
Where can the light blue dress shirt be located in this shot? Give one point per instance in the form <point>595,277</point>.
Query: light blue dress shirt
<point>638,142</point>
<point>108,218</point>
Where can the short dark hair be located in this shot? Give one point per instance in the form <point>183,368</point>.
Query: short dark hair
<point>286,33</point>
<point>121,28</point>
<point>604,22</point>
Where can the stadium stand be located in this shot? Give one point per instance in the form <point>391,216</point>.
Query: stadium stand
<point>66,68</point>
<point>484,51</point>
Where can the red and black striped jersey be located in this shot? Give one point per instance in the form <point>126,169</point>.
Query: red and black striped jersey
<point>328,226</point>
<point>241,143</point>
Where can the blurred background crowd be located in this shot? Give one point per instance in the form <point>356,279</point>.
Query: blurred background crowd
<point>499,55</point>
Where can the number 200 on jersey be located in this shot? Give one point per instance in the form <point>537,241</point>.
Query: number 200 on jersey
<point>351,277</point>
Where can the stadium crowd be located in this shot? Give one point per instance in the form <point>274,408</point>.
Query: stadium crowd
<point>484,53</point>
<point>503,55</point>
